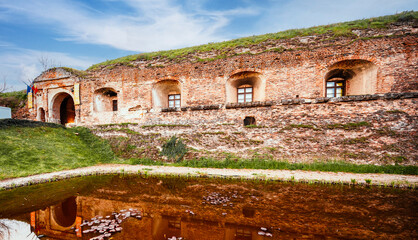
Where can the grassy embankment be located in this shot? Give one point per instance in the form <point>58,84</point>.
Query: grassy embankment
<point>334,30</point>
<point>259,163</point>
<point>14,100</point>
<point>29,148</point>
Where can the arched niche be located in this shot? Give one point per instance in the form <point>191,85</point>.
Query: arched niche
<point>167,93</point>
<point>245,83</point>
<point>63,215</point>
<point>351,77</point>
<point>105,100</point>
<point>41,115</point>
<point>63,109</point>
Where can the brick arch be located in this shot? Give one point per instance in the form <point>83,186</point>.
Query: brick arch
<point>163,88</point>
<point>168,79</point>
<point>240,70</point>
<point>63,108</point>
<point>104,99</point>
<point>359,74</point>
<point>245,77</point>
<point>352,57</point>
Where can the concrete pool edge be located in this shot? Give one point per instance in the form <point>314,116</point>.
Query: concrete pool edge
<point>373,179</point>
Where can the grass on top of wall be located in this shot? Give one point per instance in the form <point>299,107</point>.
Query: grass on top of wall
<point>337,29</point>
<point>29,147</point>
<point>256,163</point>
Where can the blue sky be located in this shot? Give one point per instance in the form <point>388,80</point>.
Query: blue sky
<point>79,33</point>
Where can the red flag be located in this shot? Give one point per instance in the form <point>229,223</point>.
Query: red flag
<point>34,89</point>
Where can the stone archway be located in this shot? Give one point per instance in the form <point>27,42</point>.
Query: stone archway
<point>63,109</point>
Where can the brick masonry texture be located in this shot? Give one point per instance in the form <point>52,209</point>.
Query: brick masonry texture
<point>295,120</point>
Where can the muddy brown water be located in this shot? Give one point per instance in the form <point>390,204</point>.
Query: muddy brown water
<point>206,208</point>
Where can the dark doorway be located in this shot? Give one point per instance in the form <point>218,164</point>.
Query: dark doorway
<point>67,110</point>
<point>249,121</point>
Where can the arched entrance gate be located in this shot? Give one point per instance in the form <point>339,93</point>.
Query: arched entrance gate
<point>63,109</point>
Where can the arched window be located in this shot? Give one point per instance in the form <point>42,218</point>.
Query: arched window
<point>167,93</point>
<point>351,77</point>
<point>245,87</point>
<point>105,100</point>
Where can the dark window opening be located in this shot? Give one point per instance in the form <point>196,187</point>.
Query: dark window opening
<point>245,94</point>
<point>243,234</point>
<point>115,105</point>
<point>335,88</point>
<point>174,224</point>
<point>174,100</point>
<point>249,121</point>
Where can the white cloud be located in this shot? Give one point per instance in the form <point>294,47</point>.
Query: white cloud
<point>151,24</point>
<point>22,65</point>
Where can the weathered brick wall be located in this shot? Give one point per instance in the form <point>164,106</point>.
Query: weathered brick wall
<point>294,119</point>
<point>380,131</point>
<point>288,74</point>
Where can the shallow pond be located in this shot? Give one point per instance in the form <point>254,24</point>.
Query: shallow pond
<point>140,207</point>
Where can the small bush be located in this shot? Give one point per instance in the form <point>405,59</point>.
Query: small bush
<point>174,149</point>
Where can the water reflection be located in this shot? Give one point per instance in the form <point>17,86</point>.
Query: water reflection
<point>217,209</point>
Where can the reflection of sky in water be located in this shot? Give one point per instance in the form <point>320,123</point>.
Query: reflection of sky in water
<point>15,230</point>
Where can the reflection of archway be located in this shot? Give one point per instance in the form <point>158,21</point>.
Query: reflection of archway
<point>105,100</point>
<point>163,91</point>
<point>63,109</point>
<point>64,214</point>
<point>41,115</point>
<point>248,81</point>
<point>351,77</point>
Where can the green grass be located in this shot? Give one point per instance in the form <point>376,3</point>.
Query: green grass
<point>334,30</point>
<point>349,126</point>
<point>29,148</point>
<point>256,163</point>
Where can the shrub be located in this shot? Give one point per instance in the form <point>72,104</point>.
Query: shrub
<point>174,149</point>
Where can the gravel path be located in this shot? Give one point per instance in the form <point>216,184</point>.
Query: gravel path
<point>283,175</point>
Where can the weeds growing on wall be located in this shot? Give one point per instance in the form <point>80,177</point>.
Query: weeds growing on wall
<point>174,149</point>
